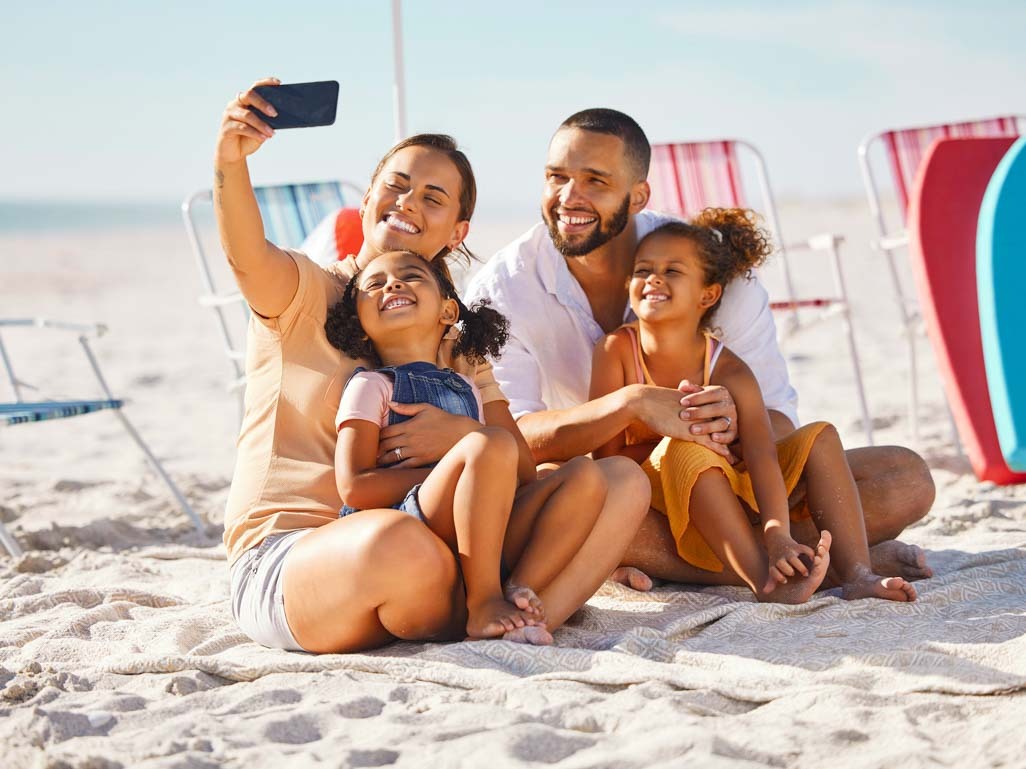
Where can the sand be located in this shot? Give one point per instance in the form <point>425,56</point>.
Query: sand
<point>117,646</point>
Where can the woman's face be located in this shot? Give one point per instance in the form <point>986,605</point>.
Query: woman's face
<point>414,205</point>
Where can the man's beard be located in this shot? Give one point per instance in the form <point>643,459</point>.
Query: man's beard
<point>599,236</point>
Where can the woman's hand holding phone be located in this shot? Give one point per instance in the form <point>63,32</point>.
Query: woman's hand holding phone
<point>242,131</point>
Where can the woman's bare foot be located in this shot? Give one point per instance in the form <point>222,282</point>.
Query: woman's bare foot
<point>633,578</point>
<point>866,584</point>
<point>525,599</point>
<point>896,557</point>
<point>493,617</point>
<point>535,635</point>
<point>799,589</point>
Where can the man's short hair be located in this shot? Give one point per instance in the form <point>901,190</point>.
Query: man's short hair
<point>610,121</point>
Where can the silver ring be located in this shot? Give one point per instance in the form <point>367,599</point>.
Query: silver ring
<point>729,420</point>
<point>398,453</point>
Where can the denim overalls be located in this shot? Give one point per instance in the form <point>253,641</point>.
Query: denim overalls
<point>422,382</point>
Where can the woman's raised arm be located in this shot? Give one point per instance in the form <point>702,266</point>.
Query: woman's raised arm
<point>267,276</point>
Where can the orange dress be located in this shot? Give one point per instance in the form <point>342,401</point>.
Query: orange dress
<point>674,465</point>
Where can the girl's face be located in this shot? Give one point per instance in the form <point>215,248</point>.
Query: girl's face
<point>669,282</point>
<point>398,294</point>
<point>414,204</point>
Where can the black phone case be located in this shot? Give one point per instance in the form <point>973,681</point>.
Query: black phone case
<point>300,105</point>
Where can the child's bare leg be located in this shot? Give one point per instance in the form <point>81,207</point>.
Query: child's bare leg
<point>550,521</point>
<point>834,502</point>
<point>720,519</point>
<point>467,500</point>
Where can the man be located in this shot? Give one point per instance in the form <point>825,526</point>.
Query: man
<point>563,285</point>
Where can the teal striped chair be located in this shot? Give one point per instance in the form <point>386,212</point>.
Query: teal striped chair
<point>21,411</point>
<point>290,212</point>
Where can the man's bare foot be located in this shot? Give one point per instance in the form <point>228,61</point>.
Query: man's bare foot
<point>799,589</point>
<point>493,617</point>
<point>525,599</point>
<point>535,635</point>
<point>896,557</point>
<point>866,584</point>
<point>633,578</point>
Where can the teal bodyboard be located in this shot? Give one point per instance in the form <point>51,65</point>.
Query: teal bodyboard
<point>1001,287</point>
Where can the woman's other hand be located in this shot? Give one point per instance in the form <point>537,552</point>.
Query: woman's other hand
<point>242,131</point>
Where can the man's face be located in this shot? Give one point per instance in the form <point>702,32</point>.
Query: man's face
<point>587,196</point>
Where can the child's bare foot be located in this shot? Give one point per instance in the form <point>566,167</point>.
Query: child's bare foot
<point>799,589</point>
<point>525,599</point>
<point>633,578</point>
<point>896,557</point>
<point>866,584</point>
<point>535,635</point>
<point>493,617</point>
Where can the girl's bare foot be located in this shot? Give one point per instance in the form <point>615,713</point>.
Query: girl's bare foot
<point>799,589</point>
<point>633,578</point>
<point>866,584</point>
<point>525,599</point>
<point>493,617</point>
<point>535,635</point>
<point>896,557</point>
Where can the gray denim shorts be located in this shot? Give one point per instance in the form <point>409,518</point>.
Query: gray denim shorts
<point>258,603</point>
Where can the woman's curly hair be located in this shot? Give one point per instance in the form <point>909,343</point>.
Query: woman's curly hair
<point>483,330</point>
<point>730,244</point>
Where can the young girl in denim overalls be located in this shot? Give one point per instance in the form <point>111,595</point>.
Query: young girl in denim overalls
<point>395,314</point>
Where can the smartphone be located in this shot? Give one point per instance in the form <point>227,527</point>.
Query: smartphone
<point>300,105</point>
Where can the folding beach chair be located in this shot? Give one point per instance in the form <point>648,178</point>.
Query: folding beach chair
<point>687,177</point>
<point>905,148</point>
<point>22,411</point>
<point>290,213</point>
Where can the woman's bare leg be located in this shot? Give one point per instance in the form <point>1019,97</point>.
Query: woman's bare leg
<point>364,580</point>
<point>467,500</point>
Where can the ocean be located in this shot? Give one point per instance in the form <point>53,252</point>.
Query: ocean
<point>17,216</point>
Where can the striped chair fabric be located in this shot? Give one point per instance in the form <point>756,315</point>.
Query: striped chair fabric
<point>906,147</point>
<point>21,413</point>
<point>291,211</point>
<point>687,177</point>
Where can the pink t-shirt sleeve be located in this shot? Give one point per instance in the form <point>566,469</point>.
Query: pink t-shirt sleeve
<point>365,397</point>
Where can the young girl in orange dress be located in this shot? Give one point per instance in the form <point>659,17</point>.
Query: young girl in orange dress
<point>680,272</point>
<point>394,314</point>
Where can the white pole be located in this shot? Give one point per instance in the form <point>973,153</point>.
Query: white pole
<point>399,86</point>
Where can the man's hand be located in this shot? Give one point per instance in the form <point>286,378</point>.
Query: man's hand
<point>660,408</point>
<point>713,409</point>
<point>424,438</point>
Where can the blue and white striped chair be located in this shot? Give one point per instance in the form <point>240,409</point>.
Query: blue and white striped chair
<point>290,212</point>
<point>23,412</point>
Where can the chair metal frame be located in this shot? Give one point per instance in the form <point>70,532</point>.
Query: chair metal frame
<point>289,212</point>
<point>835,306</point>
<point>21,411</point>
<point>890,240</point>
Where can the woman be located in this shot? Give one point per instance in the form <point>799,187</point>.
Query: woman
<point>302,578</point>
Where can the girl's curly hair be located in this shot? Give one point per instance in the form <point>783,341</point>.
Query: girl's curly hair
<point>483,330</point>
<point>730,244</point>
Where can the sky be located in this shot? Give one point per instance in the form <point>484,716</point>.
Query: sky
<point>120,101</point>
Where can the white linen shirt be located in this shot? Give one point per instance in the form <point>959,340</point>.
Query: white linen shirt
<point>547,363</point>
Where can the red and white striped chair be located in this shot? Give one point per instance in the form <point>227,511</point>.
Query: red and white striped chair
<point>904,149</point>
<point>687,177</point>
